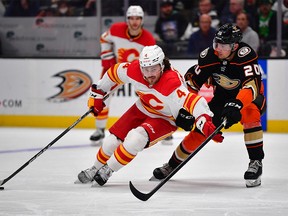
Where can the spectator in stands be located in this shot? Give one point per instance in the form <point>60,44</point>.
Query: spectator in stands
<point>219,5</point>
<point>22,8</point>
<point>266,21</point>
<point>170,26</point>
<point>46,12</point>
<point>204,7</point>
<point>64,9</point>
<point>230,12</point>
<point>90,8</point>
<point>249,35</point>
<point>266,26</point>
<point>203,38</point>
<point>251,9</point>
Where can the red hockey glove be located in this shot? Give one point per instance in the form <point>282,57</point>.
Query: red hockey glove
<point>205,125</point>
<point>95,100</point>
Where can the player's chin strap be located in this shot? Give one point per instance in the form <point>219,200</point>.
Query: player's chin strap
<point>146,196</point>
<point>2,182</point>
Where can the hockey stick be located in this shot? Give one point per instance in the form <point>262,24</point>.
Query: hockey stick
<point>2,182</point>
<point>146,196</point>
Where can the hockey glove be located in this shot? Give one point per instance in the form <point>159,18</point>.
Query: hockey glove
<point>185,120</point>
<point>205,125</point>
<point>231,112</point>
<point>95,100</point>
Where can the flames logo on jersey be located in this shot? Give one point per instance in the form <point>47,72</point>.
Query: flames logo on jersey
<point>74,84</point>
<point>226,82</point>
<point>127,55</point>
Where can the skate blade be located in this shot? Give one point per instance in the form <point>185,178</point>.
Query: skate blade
<point>253,182</point>
<point>154,179</point>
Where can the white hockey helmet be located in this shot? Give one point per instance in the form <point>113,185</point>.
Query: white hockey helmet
<point>151,55</point>
<point>135,10</point>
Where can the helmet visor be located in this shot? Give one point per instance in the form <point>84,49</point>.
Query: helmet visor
<point>223,47</point>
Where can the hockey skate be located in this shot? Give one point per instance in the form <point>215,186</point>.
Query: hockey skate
<point>253,174</point>
<point>86,175</point>
<point>97,137</point>
<point>168,140</point>
<point>102,175</point>
<point>161,172</point>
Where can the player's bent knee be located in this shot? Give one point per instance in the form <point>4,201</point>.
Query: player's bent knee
<point>136,140</point>
<point>110,144</point>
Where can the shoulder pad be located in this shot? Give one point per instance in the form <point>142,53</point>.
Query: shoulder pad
<point>207,57</point>
<point>171,77</point>
<point>204,53</point>
<point>116,27</point>
<point>245,52</point>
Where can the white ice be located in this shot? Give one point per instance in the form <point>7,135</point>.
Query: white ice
<point>211,183</point>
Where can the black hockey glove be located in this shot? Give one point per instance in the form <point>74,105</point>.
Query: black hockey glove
<point>185,120</point>
<point>231,112</point>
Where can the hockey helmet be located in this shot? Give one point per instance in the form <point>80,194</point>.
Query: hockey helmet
<point>228,34</point>
<point>135,10</point>
<point>151,55</point>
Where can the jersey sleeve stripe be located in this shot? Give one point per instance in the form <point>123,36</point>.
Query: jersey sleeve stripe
<point>190,102</point>
<point>113,75</point>
<point>106,53</point>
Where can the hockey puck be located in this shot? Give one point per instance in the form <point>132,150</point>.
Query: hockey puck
<point>1,188</point>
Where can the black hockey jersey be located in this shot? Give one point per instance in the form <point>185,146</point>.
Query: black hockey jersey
<point>227,77</point>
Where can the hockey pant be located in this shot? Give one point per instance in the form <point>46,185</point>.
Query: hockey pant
<point>133,132</point>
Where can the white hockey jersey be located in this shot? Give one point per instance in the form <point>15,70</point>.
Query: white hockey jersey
<point>164,99</point>
<point>118,46</point>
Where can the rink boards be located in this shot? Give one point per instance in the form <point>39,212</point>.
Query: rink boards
<point>54,92</point>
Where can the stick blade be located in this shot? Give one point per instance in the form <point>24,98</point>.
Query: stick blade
<point>138,194</point>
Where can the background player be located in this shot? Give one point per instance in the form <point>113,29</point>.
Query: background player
<point>163,98</point>
<point>122,42</point>
<point>231,66</point>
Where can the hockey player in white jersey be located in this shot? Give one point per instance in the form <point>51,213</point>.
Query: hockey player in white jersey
<point>157,113</point>
<point>122,42</point>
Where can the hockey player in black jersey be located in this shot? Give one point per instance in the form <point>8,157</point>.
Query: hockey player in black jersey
<point>231,67</point>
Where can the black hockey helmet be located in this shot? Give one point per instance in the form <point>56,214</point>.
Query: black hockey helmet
<point>228,34</point>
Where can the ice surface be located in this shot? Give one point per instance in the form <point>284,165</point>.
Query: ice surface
<point>211,183</point>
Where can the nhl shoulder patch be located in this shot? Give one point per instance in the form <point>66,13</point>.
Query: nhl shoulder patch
<point>204,53</point>
<point>244,51</point>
